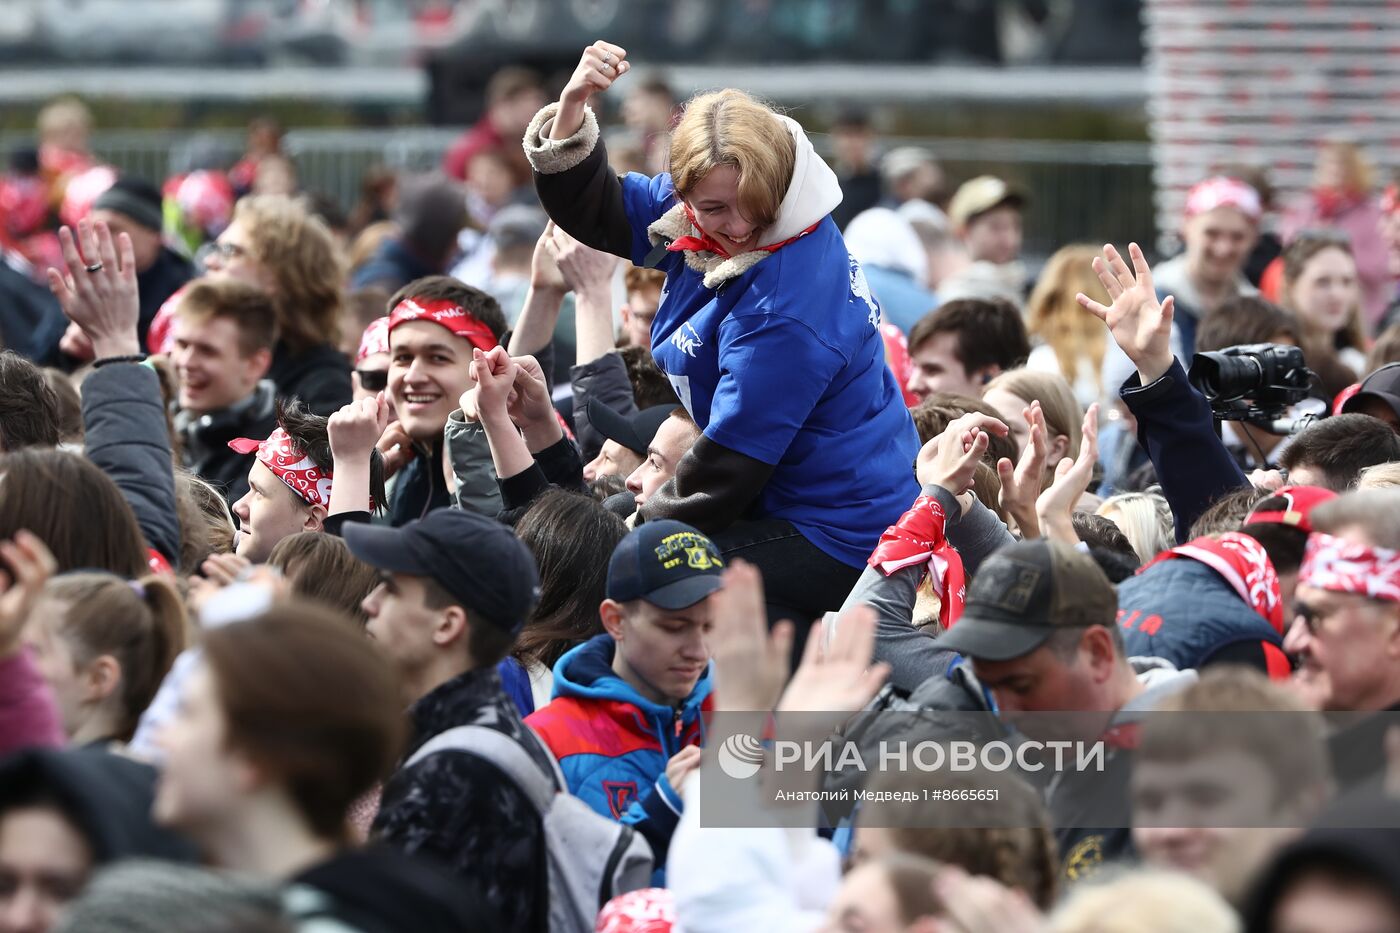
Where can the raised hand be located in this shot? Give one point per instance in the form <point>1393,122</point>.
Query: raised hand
<point>750,662</point>
<point>950,459</point>
<point>357,428</point>
<point>839,679</point>
<point>601,64</point>
<point>1021,484</point>
<point>28,566</point>
<point>544,271</point>
<point>1055,507</point>
<point>97,288</point>
<point>494,372</point>
<point>396,447</point>
<point>584,269</point>
<point>1139,323</point>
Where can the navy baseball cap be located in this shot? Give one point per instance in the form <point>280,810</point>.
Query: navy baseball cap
<point>635,432</point>
<point>667,563</point>
<point>477,560</point>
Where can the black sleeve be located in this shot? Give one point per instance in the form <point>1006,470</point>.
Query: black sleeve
<point>586,200</point>
<point>562,465</point>
<point>518,491</point>
<point>712,488</point>
<point>126,436</point>
<point>1253,654</point>
<point>606,380</point>
<point>335,524</point>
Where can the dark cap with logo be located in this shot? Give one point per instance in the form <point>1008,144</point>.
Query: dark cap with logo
<point>1383,385</point>
<point>636,431</point>
<point>484,567</point>
<point>1023,593</point>
<point>667,563</point>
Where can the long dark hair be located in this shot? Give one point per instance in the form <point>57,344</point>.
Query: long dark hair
<point>572,538</point>
<point>74,508</point>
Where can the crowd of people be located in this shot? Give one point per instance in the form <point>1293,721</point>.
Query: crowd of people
<point>430,541</point>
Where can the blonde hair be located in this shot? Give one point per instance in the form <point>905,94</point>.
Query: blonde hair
<point>1063,416</point>
<point>731,128</point>
<point>1357,169</point>
<point>1380,476</point>
<point>297,248</point>
<point>1145,520</point>
<point>1145,902</point>
<point>1055,316</point>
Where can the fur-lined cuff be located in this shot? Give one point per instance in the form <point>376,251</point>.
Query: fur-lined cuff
<point>552,156</point>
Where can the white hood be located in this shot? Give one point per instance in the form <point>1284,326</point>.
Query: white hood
<point>813,193</point>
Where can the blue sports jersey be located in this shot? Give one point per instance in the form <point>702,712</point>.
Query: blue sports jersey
<point>785,364</point>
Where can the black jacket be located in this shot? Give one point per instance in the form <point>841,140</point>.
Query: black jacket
<point>420,487</point>
<point>127,438</point>
<point>31,322</point>
<point>379,890</point>
<point>166,276</point>
<point>463,811</point>
<point>319,376</point>
<point>206,451</point>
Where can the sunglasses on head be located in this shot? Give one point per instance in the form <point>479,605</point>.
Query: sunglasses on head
<point>373,380</point>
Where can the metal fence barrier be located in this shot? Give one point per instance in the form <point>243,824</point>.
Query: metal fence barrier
<point>1078,191</point>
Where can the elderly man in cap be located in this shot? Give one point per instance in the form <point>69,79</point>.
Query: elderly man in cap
<point>1039,627</point>
<point>457,590</point>
<point>986,214</point>
<point>133,206</point>
<point>625,719</point>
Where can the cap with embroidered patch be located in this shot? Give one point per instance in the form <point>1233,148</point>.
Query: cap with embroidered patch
<point>667,563</point>
<point>1023,593</point>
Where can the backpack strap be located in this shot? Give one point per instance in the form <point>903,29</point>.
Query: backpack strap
<point>505,753</point>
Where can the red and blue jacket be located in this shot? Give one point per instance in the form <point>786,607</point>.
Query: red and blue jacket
<point>613,744</point>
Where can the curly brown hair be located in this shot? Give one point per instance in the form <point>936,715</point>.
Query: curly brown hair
<point>297,248</point>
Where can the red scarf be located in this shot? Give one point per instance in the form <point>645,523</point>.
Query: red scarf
<point>917,539</point>
<point>1332,202</point>
<point>1244,564</point>
<point>704,243</point>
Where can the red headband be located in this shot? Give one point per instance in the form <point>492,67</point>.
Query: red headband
<point>447,314</point>
<point>374,340</point>
<point>1343,566</point>
<point>291,466</point>
<point>1301,500</point>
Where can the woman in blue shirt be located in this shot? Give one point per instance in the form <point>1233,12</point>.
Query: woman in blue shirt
<point>766,329</point>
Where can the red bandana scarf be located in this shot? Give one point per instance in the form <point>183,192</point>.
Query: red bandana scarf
<point>291,466</point>
<point>704,243</point>
<point>917,539</point>
<point>446,314</point>
<point>1342,566</point>
<point>1244,564</point>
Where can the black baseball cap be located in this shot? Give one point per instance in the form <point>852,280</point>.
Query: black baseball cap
<point>667,563</point>
<point>1023,593</point>
<point>634,432</point>
<point>477,560</point>
<point>1382,385</point>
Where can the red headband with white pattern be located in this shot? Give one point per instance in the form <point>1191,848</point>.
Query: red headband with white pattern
<point>1342,566</point>
<point>290,465</point>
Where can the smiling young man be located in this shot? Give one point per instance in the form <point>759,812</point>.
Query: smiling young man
<point>289,484</point>
<point>434,324</point>
<point>625,719</point>
<point>223,334</point>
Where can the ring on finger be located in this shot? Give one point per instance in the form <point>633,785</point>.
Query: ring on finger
<point>95,267</point>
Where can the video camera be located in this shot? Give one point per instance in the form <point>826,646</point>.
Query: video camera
<point>1256,383</point>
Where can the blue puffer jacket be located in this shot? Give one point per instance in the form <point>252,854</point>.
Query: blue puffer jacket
<point>1184,611</point>
<point>613,744</point>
